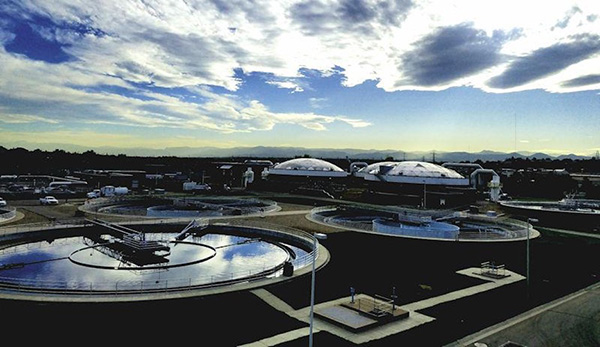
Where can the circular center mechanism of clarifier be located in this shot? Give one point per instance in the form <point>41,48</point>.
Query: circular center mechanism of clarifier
<point>107,256</point>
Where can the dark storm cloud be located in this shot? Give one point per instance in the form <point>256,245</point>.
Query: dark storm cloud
<point>189,55</point>
<point>251,9</point>
<point>317,18</point>
<point>393,12</point>
<point>355,11</point>
<point>582,81</point>
<point>312,16</point>
<point>546,61</point>
<point>563,23</point>
<point>254,11</point>
<point>451,53</point>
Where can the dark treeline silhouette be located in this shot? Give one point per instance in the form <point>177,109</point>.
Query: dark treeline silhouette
<point>19,161</point>
<point>586,166</point>
<point>547,178</point>
<point>22,161</point>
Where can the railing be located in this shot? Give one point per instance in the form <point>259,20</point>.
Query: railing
<point>137,286</point>
<point>7,213</point>
<point>334,215</point>
<point>501,227</point>
<point>376,306</point>
<point>157,285</point>
<point>327,215</point>
<point>491,269</point>
<point>380,211</point>
<point>118,206</point>
<point>50,225</point>
<point>306,239</point>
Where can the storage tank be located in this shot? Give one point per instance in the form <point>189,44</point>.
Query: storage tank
<point>121,190</point>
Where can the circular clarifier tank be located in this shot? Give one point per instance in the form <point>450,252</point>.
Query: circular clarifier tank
<point>442,226</point>
<point>187,207</point>
<point>98,261</point>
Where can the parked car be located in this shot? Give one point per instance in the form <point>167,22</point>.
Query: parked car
<point>94,194</point>
<point>48,200</point>
<point>2,202</point>
<point>196,187</point>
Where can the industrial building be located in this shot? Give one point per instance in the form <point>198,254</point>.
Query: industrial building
<point>419,183</point>
<point>414,183</point>
<point>308,176</point>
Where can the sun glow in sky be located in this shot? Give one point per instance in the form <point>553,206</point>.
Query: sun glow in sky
<point>404,75</point>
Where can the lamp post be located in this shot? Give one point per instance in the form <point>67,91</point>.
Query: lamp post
<point>424,194</point>
<point>529,221</point>
<point>312,288</point>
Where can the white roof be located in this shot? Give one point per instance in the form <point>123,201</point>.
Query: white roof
<point>307,167</point>
<point>373,169</point>
<point>422,169</point>
<point>307,164</point>
<point>412,172</point>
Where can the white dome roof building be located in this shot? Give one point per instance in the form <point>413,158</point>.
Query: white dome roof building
<point>413,172</point>
<point>307,167</point>
<point>376,168</point>
<point>416,182</point>
<point>309,176</point>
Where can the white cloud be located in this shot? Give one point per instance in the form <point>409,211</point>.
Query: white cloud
<point>287,85</point>
<point>317,102</point>
<point>24,118</point>
<point>356,123</point>
<point>199,45</point>
<point>202,42</point>
<point>34,85</point>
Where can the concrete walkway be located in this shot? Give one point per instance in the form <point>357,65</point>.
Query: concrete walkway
<point>273,301</point>
<point>572,232</point>
<point>415,318</point>
<point>458,294</point>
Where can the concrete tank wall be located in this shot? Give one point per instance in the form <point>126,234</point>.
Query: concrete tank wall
<point>432,229</point>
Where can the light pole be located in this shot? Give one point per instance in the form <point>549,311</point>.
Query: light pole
<point>529,221</point>
<point>312,288</point>
<point>424,194</point>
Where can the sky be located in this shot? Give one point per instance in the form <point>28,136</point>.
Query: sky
<point>405,75</point>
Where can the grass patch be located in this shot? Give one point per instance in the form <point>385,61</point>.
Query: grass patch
<point>30,217</point>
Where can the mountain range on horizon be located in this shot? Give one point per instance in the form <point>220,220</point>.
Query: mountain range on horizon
<point>291,152</point>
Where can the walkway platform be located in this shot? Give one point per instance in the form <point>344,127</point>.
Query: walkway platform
<point>338,319</point>
<point>347,318</point>
<point>363,313</point>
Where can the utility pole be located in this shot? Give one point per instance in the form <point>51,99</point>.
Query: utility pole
<point>424,194</point>
<point>529,221</point>
<point>312,286</point>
